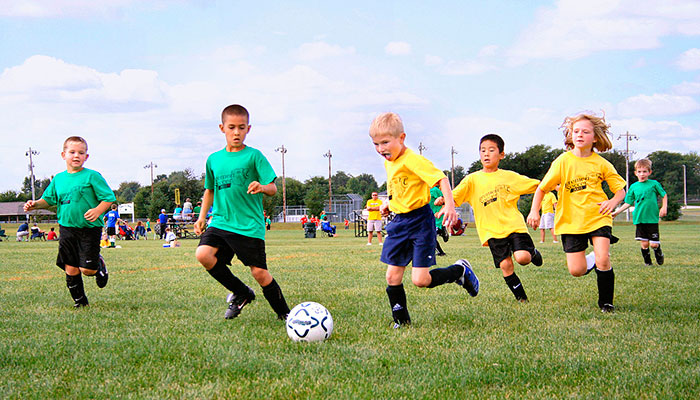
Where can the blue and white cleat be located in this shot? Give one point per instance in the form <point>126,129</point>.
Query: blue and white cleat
<point>468,280</point>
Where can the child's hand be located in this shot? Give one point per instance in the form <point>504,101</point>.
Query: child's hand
<point>29,205</point>
<point>615,213</point>
<point>439,201</point>
<point>91,214</point>
<point>199,226</point>
<point>606,207</point>
<point>450,214</point>
<point>255,187</point>
<point>533,219</point>
<point>663,211</point>
<point>384,209</point>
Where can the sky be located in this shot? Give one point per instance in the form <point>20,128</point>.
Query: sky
<point>145,81</point>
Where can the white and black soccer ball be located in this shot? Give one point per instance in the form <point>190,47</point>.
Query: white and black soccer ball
<point>309,322</point>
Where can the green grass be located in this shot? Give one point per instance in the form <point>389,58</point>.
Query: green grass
<point>157,330</point>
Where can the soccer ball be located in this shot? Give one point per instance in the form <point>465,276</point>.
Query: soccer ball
<point>309,322</point>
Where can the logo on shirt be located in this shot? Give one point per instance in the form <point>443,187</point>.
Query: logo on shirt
<point>581,183</point>
<point>237,177</point>
<point>492,196</point>
<point>398,185</point>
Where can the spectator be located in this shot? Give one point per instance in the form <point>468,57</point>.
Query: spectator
<point>140,230</point>
<point>23,232</point>
<point>52,235</point>
<point>163,222</point>
<point>177,213</point>
<point>37,233</point>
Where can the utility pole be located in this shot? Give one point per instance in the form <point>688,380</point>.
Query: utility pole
<point>685,192</point>
<point>330,191</point>
<point>453,152</point>
<point>29,154</point>
<point>282,150</point>
<point>628,136</point>
<point>421,148</point>
<point>151,166</point>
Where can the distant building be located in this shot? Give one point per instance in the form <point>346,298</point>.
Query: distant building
<point>13,212</point>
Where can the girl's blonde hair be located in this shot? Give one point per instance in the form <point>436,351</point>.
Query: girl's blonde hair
<point>600,128</point>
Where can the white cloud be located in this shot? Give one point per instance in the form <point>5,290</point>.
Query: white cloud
<point>70,8</point>
<point>319,50</point>
<point>657,105</point>
<point>656,135</point>
<point>465,68</point>
<point>689,60</point>
<point>397,49</point>
<point>574,29</point>
<point>687,88</point>
<point>432,61</point>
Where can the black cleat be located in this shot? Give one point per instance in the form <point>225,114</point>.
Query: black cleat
<point>659,255</point>
<point>443,234</point>
<point>282,317</point>
<point>536,258</point>
<point>468,280</point>
<point>102,275</point>
<point>83,302</point>
<point>440,254</point>
<point>402,324</point>
<point>607,308</point>
<point>236,303</point>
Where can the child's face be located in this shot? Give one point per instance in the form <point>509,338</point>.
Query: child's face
<point>235,127</point>
<point>490,155</point>
<point>642,173</point>
<point>75,154</point>
<point>389,146</point>
<point>583,135</point>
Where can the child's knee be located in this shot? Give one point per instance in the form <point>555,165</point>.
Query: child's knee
<point>421,281</point>
<point>522,257</point>
<point>206,256</point>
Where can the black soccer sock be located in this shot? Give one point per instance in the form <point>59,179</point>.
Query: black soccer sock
<point>438,248</point>
<point>227,279</point>
<point>606,286</point>
<point>646,255</point>
<point>273,295</point>
<point>397,301</point>
<point>515,286</point>
<point>76,289</point>
<point>449,274</point>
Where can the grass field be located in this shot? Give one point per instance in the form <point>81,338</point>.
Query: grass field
<point>157,330</point>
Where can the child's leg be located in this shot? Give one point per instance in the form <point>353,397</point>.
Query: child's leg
<point>604,272</point>
<point>397,294</point>
<point>74,281</point>
<point>646,253</point>
<point>522,257</point>
<point>207,256</point>
<point>554,236</point>
<point>542,235</point>
<point>271,291</point>
<point>430,278</point>
<point>512,279</point>
<point>576,263</point>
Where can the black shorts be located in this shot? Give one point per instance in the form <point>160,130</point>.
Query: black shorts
<point>251,251</point>
<point>503,248</point>
<point>648,232</point>
<point>79,247</point>
<point>111,230</point>
<point>573,243</point>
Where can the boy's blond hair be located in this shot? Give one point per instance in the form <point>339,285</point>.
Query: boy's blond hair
<point>388,123</point>
<point>600,128</point>
<point>643,163</point>
<point>75,139</point>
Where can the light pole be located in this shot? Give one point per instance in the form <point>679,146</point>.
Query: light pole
<point>282,150</point>
<point>628,136</point>
<point>330,190</point>
<point>453,152</point>
<point>685,192</point>
<point>29,154</point>
<point>421,148</point>
<point>151,166</point>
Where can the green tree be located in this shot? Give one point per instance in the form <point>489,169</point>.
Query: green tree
<point>12,195</point>
<point>315,199</point>
<point>127,191</point>
<point>363,184</point>
<point>39,186</point>
<point>460,173</point>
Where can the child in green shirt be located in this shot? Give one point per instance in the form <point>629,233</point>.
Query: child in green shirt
<point>82,196</point>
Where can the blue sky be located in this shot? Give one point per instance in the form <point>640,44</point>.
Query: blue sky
<point>145,81</point>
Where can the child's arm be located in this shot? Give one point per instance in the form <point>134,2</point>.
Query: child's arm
<point>664,206</point>
<point>255,187</point>
<point>620,209</point>
<point>608,206</point>
<point>449,209</point>
<point>534,218</point>
<point>207,201</point>
<point>33,205</point>
<point>94,213</point>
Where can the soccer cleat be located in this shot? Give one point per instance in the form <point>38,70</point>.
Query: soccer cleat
<point>590,262</point>
<point>443,234</point>
<point>659,255</point>
<point>102,275</point>
<point>442,253</point>
<point>402,324</point>
<point>82,302</point>
<point>468,280</point>
<point>236,303</point>
<point>536,258</point>
<point>607,308</point>
<point>282,317</point>
<point>369,244</point>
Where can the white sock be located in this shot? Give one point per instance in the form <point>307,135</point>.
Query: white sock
<point>590,261</point>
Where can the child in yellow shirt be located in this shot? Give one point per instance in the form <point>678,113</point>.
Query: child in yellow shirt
<point>584,210</point>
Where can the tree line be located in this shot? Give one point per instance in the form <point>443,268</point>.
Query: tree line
<point>313,193</point>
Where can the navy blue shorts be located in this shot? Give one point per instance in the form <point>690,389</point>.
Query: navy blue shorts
<point>411,237</point>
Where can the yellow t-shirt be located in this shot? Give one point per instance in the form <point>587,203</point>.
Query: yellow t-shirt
<point>494,198</point>
<point>581,180</point>
<point>548,203</point>
<point>409,179</point>
<point>374,215</point>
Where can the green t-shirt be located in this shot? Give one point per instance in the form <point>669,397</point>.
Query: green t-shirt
<point>435,192</point>
<point>643,195</point>
<point>75,193</point>
<point>228,174</point>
